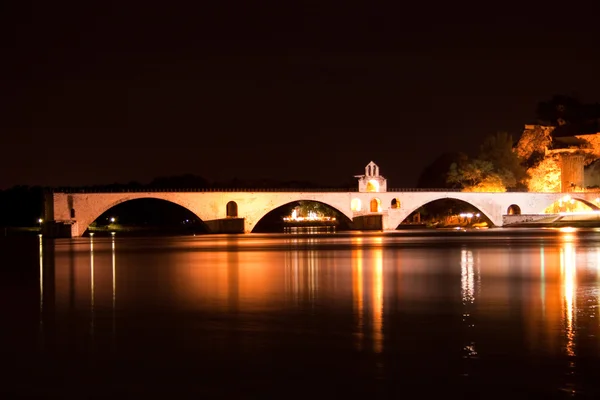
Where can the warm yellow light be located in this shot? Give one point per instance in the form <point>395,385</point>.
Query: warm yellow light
<point>375,205</point>
<point>355,204</point>
<point>372,186</point>
<point>378,301</point>
<point>568,229</point>
<point>568,268</point>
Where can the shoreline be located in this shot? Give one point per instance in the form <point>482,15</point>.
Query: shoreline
<point>411,229</point>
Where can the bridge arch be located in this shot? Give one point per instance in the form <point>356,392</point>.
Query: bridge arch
<point>100,208</point>
<point>412,206</point>
<point>568,199</point>
<point>254,221</point>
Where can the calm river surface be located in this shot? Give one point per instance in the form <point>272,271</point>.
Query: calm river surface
<point>483,314</point>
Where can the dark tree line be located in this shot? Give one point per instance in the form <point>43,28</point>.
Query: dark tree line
<point>563,110</point>
<point>21,206</point>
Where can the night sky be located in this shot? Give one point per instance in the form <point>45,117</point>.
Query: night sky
<point>104,92</point>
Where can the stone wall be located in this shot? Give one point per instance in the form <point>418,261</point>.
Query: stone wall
<point>571,176</point>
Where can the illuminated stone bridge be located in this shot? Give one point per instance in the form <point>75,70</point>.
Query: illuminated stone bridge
<point>74,212</point>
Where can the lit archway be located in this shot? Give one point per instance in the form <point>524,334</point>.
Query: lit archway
<point>395,203</point>
<point>447,211</point>
<point>571,204</point>
<point>232,209</point>
<point>355,204</point>
<point>302,213</point>
<point>514,209</point>
<point>375,205</point>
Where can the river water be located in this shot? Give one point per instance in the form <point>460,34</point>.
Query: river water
<point>479,314</point>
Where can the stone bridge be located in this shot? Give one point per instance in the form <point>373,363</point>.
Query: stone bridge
<point>74,212</point>
<point>79,210</point>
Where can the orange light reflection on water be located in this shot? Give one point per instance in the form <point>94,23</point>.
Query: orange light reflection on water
<point>568,272</point>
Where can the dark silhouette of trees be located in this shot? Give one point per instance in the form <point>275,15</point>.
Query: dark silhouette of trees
<point>21,206</point>
<point>435,175</point>
<point>562,110</point>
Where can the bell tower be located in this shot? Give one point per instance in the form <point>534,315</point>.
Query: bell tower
<point>371,181</point>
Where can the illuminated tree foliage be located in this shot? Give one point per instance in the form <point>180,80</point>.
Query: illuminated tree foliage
<point>545,176</point>
<point>496,169</point>
<point>320,209</point>
<point>475,176</point>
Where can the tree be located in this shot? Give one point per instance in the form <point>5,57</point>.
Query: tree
<point>435,174</point>
<point>475,176</point>
<point>496,168</point>
<point>498,149</point>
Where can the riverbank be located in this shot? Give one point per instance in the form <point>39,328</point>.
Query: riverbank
<point>20,231</point>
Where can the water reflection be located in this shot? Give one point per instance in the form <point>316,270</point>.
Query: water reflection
<point>41,311</point>
<point>568,269</point>
<point>114,284</point>
<point>568,272</point>
<point>368,261</point>
<point>534,303</point>
<point>378,300</point>
<point>301,278</point>
<point>92,291</point>
<point>292,275</point>
<point>233,277</point>
<point>543,282</point>
<point>468,292</point>
<point>357,292</point>
<point>467,277</point>
<point>41,251</point>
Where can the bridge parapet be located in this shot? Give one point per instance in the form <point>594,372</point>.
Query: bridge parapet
<point>201,190</point>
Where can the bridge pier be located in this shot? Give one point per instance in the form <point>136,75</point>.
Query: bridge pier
<point>59,229</point>
<point>226,225</point>
<point>367,223</point>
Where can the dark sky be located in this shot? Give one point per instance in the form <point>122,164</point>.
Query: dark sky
<point>108,92</point>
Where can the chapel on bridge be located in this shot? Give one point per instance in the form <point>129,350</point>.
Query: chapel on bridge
<point>371,181</point>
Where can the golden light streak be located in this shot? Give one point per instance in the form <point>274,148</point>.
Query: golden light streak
<point>41,278</point>
<point>568,270</point>
<point>378,301</point>
<point>467,276</point>
<point>313,269</point>
<point>92,295</point>
<point>292,275</point>
<point>114,284</point>
<point>41,332</point>
<point>543,281</point>
<point>598,277</point>
<point>357,293</point>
